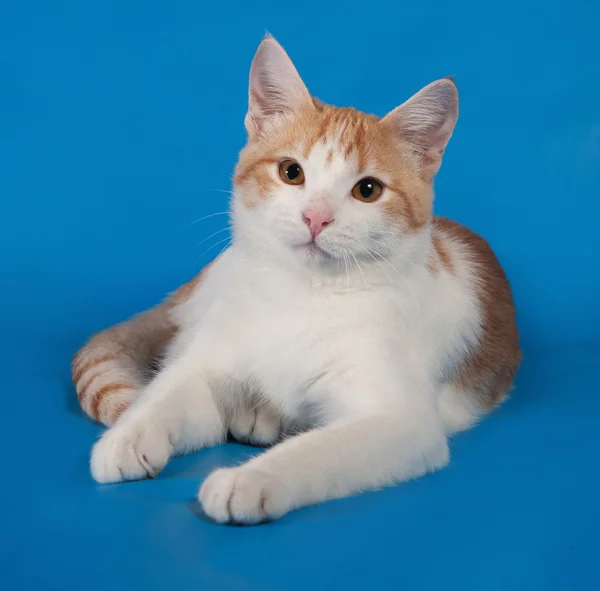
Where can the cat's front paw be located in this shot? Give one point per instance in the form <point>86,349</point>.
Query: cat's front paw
<point>131,451</point>
<point>243,495</point>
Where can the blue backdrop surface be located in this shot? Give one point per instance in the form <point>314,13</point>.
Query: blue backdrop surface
<point>120,124</point>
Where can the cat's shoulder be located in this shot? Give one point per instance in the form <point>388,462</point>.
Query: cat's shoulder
<point>452,233</point>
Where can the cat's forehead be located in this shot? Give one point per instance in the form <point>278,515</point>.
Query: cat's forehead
<point>327,160</point>
<point>330,142</point>
<point>328,133</point>
<point>337,137</point>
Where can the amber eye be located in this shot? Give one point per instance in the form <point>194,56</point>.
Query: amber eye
<point>291,172</point>
<point>367,190</point>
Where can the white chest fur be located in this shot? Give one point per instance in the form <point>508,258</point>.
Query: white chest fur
<point>290,333</point>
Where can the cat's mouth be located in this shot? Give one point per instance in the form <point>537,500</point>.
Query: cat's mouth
<point>312,249</point>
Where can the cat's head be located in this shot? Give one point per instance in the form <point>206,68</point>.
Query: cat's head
<point>328,184</point>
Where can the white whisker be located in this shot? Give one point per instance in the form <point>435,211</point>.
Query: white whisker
<point>213,246</point>
<point>213,234</point>
<point>414,295</point>
<point>359,268</point>
<point>346,267</point>
<point>210,215</point>
<point>372,256</point>
<point>224,249</point>
<point>405,260</point>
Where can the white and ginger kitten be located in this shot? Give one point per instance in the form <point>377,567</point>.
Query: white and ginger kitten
<point>345,324</point>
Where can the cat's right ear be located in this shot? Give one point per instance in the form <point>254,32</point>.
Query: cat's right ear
<point>275,87</point>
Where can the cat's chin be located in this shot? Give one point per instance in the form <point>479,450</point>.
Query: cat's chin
<point>312,254</point>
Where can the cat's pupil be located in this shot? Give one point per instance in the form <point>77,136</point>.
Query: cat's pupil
<point>366,189</point>
<point>292,172</point>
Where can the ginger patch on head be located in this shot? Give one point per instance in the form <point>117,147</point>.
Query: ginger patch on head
<point>346,133</point>
<point>403,150</point>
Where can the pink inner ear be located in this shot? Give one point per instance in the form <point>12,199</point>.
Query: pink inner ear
<point>440,137</point>
<point>427,121</point>
<point>428,118</point>
<point>275,85</point>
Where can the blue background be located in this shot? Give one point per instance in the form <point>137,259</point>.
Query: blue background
<point>120,123</point>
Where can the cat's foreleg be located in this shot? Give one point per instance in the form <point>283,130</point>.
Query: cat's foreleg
<point>177,413</point>
<point>379,438</point>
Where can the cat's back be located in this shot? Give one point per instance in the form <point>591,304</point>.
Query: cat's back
<point>465,253</point>
<point>489,368</point>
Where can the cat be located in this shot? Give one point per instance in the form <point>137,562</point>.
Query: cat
<point>346,325</point>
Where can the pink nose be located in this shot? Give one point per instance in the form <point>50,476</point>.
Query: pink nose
<point>316,221</point>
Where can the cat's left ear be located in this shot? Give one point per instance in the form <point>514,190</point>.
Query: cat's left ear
<point>426,122</point>
<point>275,87</point>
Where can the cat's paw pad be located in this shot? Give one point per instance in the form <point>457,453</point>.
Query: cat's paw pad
<point>243,495</point>
<point>258,426</point>
<point>130,451</point>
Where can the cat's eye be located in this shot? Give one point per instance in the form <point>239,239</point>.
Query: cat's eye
<point>367,190</point>
<point>291,172</point>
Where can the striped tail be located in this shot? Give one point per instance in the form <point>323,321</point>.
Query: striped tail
<point>111,369</point>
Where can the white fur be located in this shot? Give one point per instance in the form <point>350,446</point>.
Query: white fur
<point>350,343</point>
<point>357,350</point>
